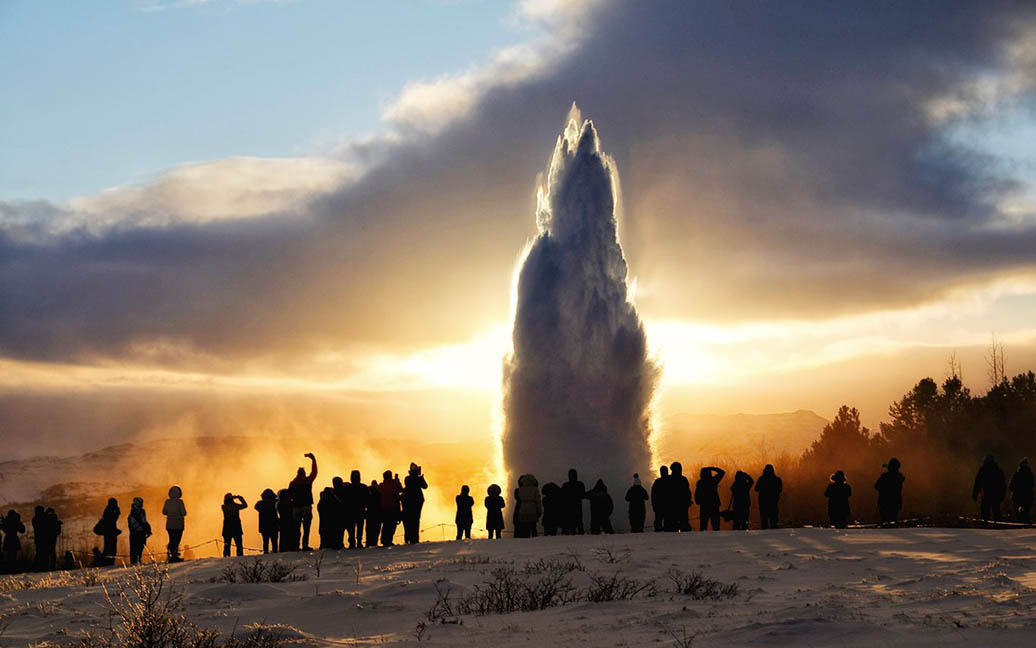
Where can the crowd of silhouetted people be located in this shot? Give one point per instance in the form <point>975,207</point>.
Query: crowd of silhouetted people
<point>354,514</point>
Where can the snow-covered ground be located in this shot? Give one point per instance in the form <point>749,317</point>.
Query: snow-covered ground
<point>797,587</point>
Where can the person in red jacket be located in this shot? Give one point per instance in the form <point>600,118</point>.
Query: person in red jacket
<point>389,491</point>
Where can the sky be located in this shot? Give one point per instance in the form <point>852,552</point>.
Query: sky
<point>320,206</point>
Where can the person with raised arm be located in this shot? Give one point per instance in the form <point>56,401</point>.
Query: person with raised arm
<point>706,495</point>
<point>301,489</point>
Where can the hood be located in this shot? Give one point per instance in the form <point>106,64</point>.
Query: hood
<point>528,480</point>
<point>175,492</point>
<point>138,503</point>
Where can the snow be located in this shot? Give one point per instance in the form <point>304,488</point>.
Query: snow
<point>798,587</point>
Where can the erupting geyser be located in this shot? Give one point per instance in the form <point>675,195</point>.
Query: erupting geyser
<point>578,386</point>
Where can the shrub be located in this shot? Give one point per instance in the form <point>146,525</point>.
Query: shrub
<point>617,588</point>
<point>147,611</point>
<point>259,571</point>
<point>700,587</point>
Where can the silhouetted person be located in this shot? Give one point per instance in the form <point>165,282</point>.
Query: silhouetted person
<point>890,493</point>
<point>1021,491</point>
<point>636,497</point>
<point>573,493</point>
<point>107,527</point>
<point>269,525</point>
<point>232,530</point>
<point>139,530</point>
<point>553,508</point>
<point>601,508</point>
<point>838,493</point>
<point>359,495</point>
<point>331,527</point>
<point>12,544</point>
<point>990,487</point>
<point>679,500</point>
<point>40,537</point>
<point>412,497</point>
<point>175,513</point>
<point>373,514</point>
<point>660,497</point>
<point>741,500</point>
<point>706,495</point>
<point>343,495</point>
<point>515,523</point>
<point>301,489</point>
<point>494,511</point>
<point>289,536</point>
<point>389,492</point>
<point>55,533</point>
<point>465,517</point>
<point>769,487</point>
<point>530,507</point>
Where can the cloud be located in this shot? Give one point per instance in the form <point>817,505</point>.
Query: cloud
<point>785,160</point>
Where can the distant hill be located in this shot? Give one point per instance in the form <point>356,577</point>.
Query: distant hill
<point>756,438</point>
<point>214,465</point>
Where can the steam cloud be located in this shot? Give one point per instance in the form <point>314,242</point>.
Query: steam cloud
<point>578,386</point>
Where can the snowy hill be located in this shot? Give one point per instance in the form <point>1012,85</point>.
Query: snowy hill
<point>795,587</point>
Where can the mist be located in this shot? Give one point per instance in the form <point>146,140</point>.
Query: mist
<point>579,382</point>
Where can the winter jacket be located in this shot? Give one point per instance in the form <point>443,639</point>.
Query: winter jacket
<point>1021,486</point>
<point>389,492</point>
<point>740,494</point>
<point>637,498</point>
<point>359,497</point>
<point>838,494</point>
<point>706,491</point>
<point>769,487</point>
<point>890,490</point>
<point>464,515</point>
<point>494,510</point>
<point>989,483</point>
<point>267,509</point>
<point>601,505</point>
<point>412,496</point>
<point>552,507</point>
<point>301,489</point>
<point>573,492</point>
<point>174,510</point>
<point>12,527</point>
<point>137,518</point>
<point>232,517</point>
<point>110,519</point>
<point>530,506</point>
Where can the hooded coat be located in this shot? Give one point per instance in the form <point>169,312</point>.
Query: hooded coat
<point>601,505</point>
<point>769,487</point>
<point>1022,486</point>
<point>494,504</point>
<point>266,507</point>
<point>465,504</point>
<point>12,527</point>
<point>137,518</point>
<point>530,505</point>
<point>174,510</point>
<point>838,493</point>
<point>990,483</point>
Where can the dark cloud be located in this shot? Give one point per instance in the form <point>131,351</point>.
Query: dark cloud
<point>778,159</point>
